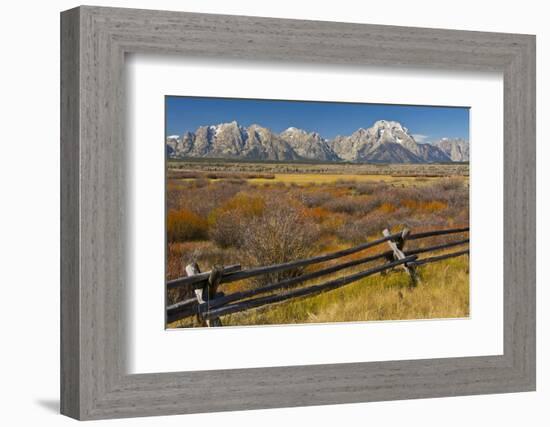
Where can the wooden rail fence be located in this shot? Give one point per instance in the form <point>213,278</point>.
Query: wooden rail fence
<point>208,304</point>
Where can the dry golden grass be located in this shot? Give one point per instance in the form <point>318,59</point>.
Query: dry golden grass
<point>443,293</point>
<point>315,178</point>
<point>307,179</point>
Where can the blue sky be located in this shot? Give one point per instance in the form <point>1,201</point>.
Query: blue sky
<point>329,119</point>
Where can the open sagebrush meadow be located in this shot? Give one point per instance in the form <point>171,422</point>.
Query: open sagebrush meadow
<point>257,214</point>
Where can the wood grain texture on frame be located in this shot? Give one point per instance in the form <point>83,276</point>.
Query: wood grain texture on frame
<point>94,269</point>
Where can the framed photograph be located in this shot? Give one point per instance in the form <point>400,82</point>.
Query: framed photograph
<point>262,213</point>
<point>261,203</point>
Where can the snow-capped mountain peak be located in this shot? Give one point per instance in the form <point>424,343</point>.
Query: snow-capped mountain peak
<point>293,129</point>
<point>385,141</point>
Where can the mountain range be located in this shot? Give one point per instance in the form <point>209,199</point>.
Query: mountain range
<point>384,142</point>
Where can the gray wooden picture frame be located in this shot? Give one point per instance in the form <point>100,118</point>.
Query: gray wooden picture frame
<point>94,382</point>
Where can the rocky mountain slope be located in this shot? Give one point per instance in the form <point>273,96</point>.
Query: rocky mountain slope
<point>457,149</point>
<point>309,145</point>
<point>384,142</point>
<point>388,142</point>
<point>232,141</point>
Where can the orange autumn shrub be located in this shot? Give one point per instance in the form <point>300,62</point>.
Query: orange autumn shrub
<point>424,206</point>
<point>387,208</point>
<point>245,205</point>
<point>317,214</point>
<point>434,206</point>
<point>183,225</point>
<point>410,204</point>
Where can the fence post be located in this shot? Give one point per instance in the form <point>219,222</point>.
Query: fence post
<point>206,292</point>
<point>213,282</point>
<point>396,247</point>
<point>401,240</point>
<point>200,292</point>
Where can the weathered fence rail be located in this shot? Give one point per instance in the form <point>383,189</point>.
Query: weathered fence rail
<point>208,305</point>
<point>231,274</point>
